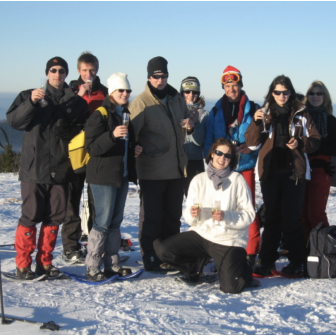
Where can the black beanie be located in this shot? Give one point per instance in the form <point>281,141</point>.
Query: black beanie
<point>57,61</point>
<point>157,65</point>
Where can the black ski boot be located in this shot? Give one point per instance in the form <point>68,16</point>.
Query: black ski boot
<point>25,273</point>
<point>95,274</point>
<point>50,270</point>
<point>263,269</point>
<point>294,268</point>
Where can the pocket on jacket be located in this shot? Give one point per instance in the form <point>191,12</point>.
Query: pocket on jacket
<point>28,158</point>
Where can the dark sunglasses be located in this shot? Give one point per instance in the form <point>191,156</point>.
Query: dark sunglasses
<point>193,92</point>
<point>226,155</point>
<point>122,90</point>
<point>160,76</point>
<point>316,93</point>
<point>61,71</point>
<point>285,93</point>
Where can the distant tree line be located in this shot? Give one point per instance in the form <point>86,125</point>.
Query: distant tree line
<point>9,160</point>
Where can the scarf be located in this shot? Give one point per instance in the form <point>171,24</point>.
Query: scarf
<point>319,116</point>
<point>238,112</point>
<point>161,94</point>
<point>217,175</point>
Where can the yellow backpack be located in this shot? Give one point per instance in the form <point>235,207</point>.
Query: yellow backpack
<point>78,156</point>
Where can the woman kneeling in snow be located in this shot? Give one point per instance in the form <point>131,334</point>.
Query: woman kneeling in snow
<point>219,211</point>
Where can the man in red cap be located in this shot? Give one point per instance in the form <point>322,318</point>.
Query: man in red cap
<point>229,118</point>
<point>49,121</point>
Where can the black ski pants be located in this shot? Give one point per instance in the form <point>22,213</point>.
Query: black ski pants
<point>71,229</point>
<point>283,199</point>
<point>160,214</point>
<point>189,252</point>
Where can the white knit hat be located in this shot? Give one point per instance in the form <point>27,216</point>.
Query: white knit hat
<point>118,81</point>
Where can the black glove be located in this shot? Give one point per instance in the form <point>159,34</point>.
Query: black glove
<point>329,169</point>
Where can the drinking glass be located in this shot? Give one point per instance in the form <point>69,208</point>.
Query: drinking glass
<point>89,81</point>
<point>216,206</point>
<point>126,117</point>
<point>43,102</point>
<point>264,121</point>
<point>197,206</point>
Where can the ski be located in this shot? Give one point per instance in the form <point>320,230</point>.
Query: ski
<point>204,278</point>
<point>82,278</point>
<point>10,276</point>
<point>279,273</point>
<point>255,275</point>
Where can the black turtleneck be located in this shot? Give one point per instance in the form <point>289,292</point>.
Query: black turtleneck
<point>160,94</point>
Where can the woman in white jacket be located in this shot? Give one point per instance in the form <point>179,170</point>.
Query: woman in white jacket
<point>221,235</point>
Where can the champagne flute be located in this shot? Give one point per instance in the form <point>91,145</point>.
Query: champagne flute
<point>216,206</point>
<point>197,207</point>
<point>89,81</point>
<point>126,117</point>
<point>264,120</point>
<point>44,80</point>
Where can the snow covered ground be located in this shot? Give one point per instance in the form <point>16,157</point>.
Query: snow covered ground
<point>156,304</point>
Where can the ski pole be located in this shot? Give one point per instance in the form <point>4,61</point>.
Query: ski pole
<point>3,319</point>
<point>51,325</point>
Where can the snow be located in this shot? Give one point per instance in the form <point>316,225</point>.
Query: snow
<point>157,304</point>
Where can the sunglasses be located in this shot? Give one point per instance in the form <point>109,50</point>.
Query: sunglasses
<point>230,77</point>
<point>122,90</point>
<point>160,76</point>
<point>226,155</point>
<point>193,92</point>
<point>61,71</point>
<point>285,93</point>
<point>316,93</point>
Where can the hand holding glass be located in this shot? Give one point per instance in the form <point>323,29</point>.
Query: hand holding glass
<point>89,81</point>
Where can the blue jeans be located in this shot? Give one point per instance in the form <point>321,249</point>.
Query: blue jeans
<point>109,204</point>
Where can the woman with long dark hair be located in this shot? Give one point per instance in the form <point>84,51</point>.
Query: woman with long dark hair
<point>219,211</point>
<point>283,168</point>
<point>319,104</point>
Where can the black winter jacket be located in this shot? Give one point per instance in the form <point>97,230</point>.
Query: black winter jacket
<point>44,156</point>
<point>106,166</point>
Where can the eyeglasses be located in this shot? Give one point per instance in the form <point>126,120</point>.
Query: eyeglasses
<point>230,77</point>
<point>122,90</point>
<point>61,71</point>
<point>316,93</point>
<point>193,92</point>
<point>285,93</point>
<point>226,155</point>
<point>160,76</point>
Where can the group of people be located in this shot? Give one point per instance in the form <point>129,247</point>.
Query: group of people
<point>163,147</point>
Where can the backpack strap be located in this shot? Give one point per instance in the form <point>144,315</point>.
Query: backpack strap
<point>102,110</point>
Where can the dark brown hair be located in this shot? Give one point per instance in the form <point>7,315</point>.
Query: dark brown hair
<point>225,142</point>
<point>88,58</point>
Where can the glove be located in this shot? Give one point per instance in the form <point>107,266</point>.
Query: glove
<point>329,169</point>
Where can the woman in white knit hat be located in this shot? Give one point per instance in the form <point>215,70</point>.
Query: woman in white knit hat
<point>112,150</point>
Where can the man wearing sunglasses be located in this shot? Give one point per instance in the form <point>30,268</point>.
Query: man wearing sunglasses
<point>49,120</point>
<point>157,116</point>
<point>93,92</point>
<point>229,118</point>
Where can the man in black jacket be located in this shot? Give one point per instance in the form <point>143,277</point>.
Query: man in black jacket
<point>93,92</point>
<point>49,120</point>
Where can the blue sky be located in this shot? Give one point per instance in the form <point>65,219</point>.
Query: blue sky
<point>261,39</point>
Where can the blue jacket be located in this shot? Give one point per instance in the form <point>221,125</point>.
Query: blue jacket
<point>216,128</point>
